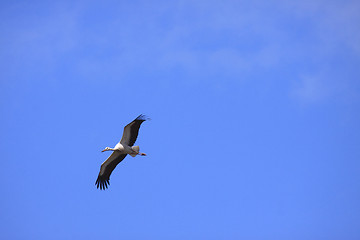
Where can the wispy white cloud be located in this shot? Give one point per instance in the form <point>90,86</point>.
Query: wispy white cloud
<point>201,39</point>
<point>335,22</point>
<point>324,87</point>
<point>34,43</point>
<point>311,89</point>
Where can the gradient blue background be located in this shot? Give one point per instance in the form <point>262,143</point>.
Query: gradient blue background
<point>255,119</point>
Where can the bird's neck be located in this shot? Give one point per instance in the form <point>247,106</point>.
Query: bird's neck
<point>111,149</point>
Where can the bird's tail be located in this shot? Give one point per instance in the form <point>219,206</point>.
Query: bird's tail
<point>136,149</point>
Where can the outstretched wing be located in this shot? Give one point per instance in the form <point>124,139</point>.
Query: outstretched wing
<point>131,131</point>
<point>106,169</point>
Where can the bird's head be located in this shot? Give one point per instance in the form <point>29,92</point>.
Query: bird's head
<point>106,149</point>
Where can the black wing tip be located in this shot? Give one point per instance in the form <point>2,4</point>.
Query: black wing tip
<point>102,183</point>
<point>142,117</point>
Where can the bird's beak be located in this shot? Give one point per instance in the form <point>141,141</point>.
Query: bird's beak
<point>103,150</point>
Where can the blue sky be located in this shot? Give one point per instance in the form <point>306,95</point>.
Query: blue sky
<point>255,119</point>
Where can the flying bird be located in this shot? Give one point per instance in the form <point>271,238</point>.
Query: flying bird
<point>124,147</point>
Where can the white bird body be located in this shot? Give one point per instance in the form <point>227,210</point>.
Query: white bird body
<point>125,149</point>
<point>121,149</point>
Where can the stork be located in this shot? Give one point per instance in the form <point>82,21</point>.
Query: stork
<point>124,147</point>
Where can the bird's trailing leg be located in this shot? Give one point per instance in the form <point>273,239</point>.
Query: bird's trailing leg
<point>134,154</point>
